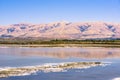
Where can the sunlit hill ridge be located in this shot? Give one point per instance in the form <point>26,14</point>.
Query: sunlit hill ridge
<point>62,30</point>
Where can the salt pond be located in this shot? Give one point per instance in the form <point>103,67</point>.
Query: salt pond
<point>22,57</point>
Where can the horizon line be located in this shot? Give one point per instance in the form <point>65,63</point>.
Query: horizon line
<point>65,21</point>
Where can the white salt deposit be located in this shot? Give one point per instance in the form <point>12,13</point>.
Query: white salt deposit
<point>118,78</point>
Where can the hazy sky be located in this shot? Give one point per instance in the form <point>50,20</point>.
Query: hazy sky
<point>44,11</point>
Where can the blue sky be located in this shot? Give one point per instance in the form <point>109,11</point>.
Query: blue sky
<point>45,11</point>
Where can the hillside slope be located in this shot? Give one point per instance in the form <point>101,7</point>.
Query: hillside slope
<point>62,30</point>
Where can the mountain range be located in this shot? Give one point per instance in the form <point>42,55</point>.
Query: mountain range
<point>62,30</point>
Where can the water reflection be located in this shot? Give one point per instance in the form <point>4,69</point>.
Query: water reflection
<point>60,52</point>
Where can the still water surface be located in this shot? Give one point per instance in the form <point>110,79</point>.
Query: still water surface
<point>28,56</point>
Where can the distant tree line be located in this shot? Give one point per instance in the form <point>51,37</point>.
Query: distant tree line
<point>57,41</point>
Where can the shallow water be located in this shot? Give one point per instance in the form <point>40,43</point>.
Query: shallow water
<point>27,56</point>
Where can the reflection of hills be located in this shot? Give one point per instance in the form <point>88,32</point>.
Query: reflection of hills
<point>75,52</point>
<point>65,52</point>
